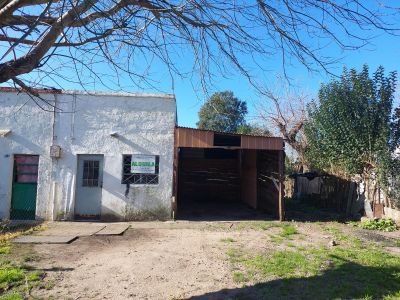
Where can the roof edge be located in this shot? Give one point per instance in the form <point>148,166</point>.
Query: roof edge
<point>230,133</point>
<point>89,93</point>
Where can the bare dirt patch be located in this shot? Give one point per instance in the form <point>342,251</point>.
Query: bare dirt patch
<point>199,260</point>
<point>142,264</point>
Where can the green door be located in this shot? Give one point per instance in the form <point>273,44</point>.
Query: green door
<point>24,189</point>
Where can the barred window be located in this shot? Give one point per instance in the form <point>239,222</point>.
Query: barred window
<point>90,173</point>
<point>138,178</point>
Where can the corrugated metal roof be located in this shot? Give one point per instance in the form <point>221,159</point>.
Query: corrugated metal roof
<point>200,138</point>
<point>229,133</point>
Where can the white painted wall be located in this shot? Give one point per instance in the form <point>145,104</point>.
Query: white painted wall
<point>83,123</point>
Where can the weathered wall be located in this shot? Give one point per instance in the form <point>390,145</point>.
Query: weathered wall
<point>83,123</point>
<point>31,133</point>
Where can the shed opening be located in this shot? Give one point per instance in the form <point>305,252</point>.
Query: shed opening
<point>226,184</point>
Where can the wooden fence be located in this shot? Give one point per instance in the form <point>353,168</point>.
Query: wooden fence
<point>341,195</point>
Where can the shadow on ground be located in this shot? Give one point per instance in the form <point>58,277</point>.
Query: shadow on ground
<point>219,211</point>
<point>347,281</point>
<point>304,212</point>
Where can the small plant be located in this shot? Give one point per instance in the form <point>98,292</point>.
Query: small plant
<point>9,276</point>
<point>381,225</point>
<point>288,230</point>
<point>5,248</point>
<point>239,277</point>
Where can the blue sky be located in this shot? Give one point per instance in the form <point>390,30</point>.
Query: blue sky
<point>384,51</point>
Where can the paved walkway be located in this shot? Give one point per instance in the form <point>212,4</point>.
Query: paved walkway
<point>66,232</point>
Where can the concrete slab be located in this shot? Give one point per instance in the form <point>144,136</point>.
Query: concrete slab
<point>113,229</point>
<point>72,228</point>
<point>41,239</point>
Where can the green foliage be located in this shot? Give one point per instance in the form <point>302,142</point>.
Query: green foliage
<point>5,247</point>
<point>13,295</point>
<point>288,230</point>
<point>247,128</point>
<point>381,224</point>
<point>8,276</point>
<point>222,112</point>
<point>349,127</point>
<point>348,271</point>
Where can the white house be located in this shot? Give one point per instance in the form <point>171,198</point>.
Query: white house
<point>77,155</point>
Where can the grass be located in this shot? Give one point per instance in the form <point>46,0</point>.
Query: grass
<point>352,270</point>
<point>239,277</point>
<point>227,240</point>
<point>16,276</point>
<point>381,225</point>
<point>288,230</point>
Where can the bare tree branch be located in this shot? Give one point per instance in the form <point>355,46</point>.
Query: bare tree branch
<point>216,34</point>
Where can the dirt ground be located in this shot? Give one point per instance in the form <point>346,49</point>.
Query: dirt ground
<point>165,262</point>
<point>157,260</point>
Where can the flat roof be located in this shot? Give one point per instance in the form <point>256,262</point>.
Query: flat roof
<point>7,89</point>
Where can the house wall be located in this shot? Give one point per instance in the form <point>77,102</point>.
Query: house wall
<point>31,134</point>
<point>82,125</point>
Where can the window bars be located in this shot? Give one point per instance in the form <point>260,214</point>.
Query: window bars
<point>130,178</point>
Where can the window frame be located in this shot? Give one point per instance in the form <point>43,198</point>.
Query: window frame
<point>139,178</point>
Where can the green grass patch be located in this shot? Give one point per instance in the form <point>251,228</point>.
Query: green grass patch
<point>256,225</point>
<point>239,277</point>
<point>16,276</point>
<point>381,225</point>
<point>5,248</point>
<point>288,230</point>
<point>227,240</point>
<point>348,271</point>
<point>13,295</point>
<point>10,276</point>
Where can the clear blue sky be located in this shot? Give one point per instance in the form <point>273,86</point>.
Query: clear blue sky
<point>385,51</point>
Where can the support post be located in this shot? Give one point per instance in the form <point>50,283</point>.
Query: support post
<point>281,185</point>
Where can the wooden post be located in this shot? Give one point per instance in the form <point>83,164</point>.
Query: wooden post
<point>281,185</point>
<point>175,175</point>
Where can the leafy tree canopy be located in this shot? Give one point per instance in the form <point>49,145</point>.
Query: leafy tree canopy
<point>252,129</point>
<point>222,112</point>
<point>349,127</point>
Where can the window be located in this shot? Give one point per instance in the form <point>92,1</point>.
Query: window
<point>90,173</point>
<point>26,168</point>
<point>140,178</point>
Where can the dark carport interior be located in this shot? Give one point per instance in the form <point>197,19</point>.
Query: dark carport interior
<point>227,177</point>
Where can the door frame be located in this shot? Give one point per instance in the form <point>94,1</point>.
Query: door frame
<point>13,178</point>
<point>76,216</point>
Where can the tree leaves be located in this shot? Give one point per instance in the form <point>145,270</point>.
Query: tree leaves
<point>351,129</point>
<point>222,112</point>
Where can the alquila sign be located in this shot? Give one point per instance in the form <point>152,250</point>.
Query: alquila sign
<point>143,164</point>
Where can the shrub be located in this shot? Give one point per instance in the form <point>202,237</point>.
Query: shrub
<point>381,224</point>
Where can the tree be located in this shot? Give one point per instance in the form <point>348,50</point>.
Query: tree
<point>49,36</point>
<point>222,112</point>
<point>349,127</point>
<point>253,130</point>
<point>286,118</point>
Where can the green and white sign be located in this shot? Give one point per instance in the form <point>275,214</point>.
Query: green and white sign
<point>143,164</point>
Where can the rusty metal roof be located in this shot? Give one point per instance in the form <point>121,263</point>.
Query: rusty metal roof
<point>201,138</point>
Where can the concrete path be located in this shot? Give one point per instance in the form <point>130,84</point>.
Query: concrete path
<point>66,232</point>
<point>40,239</point>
